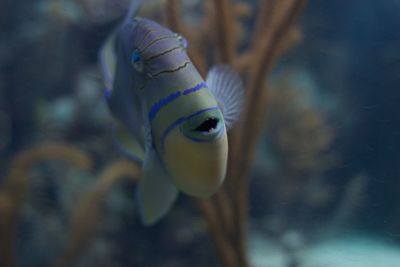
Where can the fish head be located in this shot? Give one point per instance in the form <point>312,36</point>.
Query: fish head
<point>153,50</point>
<point>187,125</point>
<point>196,152</point>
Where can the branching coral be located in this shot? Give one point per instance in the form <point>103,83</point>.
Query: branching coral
<point>291,170</point>
<point>16,184</point>
<point>296,152</point>
<point>298,130</point>
<point>87,214</point>
<point>275,31</point>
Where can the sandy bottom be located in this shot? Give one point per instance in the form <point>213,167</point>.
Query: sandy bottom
<point>353,251</point>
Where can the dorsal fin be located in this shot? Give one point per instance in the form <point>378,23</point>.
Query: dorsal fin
<point>107,55</point>
<point>133,9</point>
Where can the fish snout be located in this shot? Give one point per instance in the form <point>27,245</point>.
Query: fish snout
<point>196,153</point>
<point>196,168</point>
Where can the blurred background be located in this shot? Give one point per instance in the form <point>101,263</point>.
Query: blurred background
<point>325,179</point>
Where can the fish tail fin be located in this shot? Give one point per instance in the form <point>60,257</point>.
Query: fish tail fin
<point>107,60</point>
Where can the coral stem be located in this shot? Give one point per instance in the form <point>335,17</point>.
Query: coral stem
<point>16,184</point>
<point>87,214</point>
<point>225,38</point>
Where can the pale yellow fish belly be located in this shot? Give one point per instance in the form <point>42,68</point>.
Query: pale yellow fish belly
<point>196,168</point>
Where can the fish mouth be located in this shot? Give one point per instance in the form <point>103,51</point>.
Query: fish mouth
<point>207,126</point>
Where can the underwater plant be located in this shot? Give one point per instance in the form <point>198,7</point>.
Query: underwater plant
<point>294,158</point>
<point>16,183</point>
<point>88,212</point>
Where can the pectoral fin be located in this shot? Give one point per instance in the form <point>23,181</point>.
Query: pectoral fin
<point>227,87</point>
<point>156,193</point>
<point>129,145</point>
<point>108,63</point>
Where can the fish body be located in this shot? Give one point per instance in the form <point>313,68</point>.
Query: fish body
<point>175,119</point>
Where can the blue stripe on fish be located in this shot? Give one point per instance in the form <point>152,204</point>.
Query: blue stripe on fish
<point>179,122</point>
<point>194,89</point>
<point>165,101</point>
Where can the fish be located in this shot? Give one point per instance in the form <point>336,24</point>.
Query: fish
<point>167,117</point>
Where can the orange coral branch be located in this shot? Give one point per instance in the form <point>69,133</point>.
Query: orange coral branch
<point>223,244</point>
<point>265,53</point>
<point>173,16</point>
<point>16,183</point>
<point>266,49</point>
<point>225,38</point>
<point>88,213</point>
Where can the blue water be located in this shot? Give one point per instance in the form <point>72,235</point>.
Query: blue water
<point>326,169</point>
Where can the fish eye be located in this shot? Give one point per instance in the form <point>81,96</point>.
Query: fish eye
<point>137,61</point>
<point>183,41</point>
